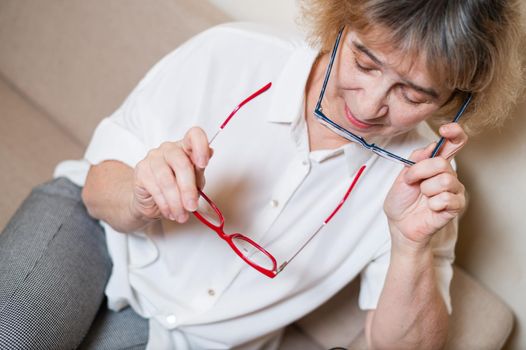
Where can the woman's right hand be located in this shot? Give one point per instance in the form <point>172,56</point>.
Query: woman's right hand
<point>166,181</point>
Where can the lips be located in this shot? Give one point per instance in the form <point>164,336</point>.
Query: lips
<point>355,122</point>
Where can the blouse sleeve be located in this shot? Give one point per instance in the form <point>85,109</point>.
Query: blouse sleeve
<point>141,121</point>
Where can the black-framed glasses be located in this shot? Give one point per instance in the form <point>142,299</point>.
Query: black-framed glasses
<point>323,119</point>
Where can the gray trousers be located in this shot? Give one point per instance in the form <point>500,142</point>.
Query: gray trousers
<point>54,266</point>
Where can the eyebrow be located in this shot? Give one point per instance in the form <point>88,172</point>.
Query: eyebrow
<point>428,91</point>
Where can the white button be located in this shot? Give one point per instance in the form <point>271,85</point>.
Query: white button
<point>305,162</point>
<point>171,319</point>
<point>274,203</point>
<point>211,292</point>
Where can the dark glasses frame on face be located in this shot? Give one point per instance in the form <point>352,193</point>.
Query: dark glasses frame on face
<point>323,119</point>
<point>240,243</point>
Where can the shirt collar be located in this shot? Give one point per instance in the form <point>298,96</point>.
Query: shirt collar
<point>288,103</point>
<point>289,87</point>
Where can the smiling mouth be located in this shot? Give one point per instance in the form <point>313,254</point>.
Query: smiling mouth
<point>355,122</point>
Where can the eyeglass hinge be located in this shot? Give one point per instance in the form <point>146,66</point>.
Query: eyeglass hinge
<point>282,266</point>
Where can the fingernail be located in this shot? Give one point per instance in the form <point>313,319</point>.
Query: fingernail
<point>182,218</point>
<point>171,217</point>
<point>201,161</point>
<point>191,204</point>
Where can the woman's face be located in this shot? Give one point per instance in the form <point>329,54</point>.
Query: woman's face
<point>375,91</point>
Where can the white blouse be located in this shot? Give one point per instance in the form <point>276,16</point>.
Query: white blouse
<point>195,291</point>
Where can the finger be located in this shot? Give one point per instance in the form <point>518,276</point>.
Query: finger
<point>166,182</point>
<point>195,144</point>
<point>422,153</point>
<point>148,182</point>
<point>200,178</point>
<point>444,182</point>
<point>185,177</point>
<point>447,201</point>
<point>426,169</point>
<point>455,139</point>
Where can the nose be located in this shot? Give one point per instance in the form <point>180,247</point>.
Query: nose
<point>372,103</point>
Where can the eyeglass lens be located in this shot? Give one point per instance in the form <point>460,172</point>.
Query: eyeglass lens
<point>252,253</point>
<point>244,246</point>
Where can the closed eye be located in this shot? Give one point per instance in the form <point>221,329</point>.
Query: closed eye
<point>362,67</point>
<point>411,100</point>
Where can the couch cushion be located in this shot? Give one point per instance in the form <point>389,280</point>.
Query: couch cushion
<point>79,59</point>
<point>337,322</point>
<point>480,320</point>
<point>30,147</point>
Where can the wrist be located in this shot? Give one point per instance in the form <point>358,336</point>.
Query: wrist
<point>410,257</point>
<point>401,245</point>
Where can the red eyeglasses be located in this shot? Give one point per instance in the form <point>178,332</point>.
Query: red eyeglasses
<point>248,250</point>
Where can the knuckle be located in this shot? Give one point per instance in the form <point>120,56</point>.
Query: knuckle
<point>165,145</point>
<point>443,163</point>
<point>152,153</point>
<point>191,131</point>
<point>195,130</point>
<point>447,181</point>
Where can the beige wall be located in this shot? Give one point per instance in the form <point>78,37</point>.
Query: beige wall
<point>281,12</point>
<point>492,243</point>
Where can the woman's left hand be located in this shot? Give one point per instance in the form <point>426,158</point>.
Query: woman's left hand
<point>427,195</point>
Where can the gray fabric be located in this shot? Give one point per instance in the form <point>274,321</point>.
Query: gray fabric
<point>117,330</point>
<point>53,266</point>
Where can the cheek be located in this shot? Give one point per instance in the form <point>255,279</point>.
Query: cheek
<point>345,74</point>
<point>353,81</point>
<point>406,117</point>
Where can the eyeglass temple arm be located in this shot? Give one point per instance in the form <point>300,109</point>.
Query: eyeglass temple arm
<point>329,68</point>
<point>245,101</point>
<point>457,117</point>
<point>349,190</point>
<point>356,177</point>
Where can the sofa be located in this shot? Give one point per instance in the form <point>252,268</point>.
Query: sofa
<point>64,65</point>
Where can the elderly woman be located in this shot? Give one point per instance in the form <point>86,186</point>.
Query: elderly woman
<point>325,170</point>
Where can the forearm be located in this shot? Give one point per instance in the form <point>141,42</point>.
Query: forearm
<point>108,194</point>
<point>411,313</point>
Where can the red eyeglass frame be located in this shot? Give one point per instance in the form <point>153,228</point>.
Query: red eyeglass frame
<point>219,229</point>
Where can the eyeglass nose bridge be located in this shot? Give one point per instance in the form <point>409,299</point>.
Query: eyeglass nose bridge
<point>229,238</point>
<point>358,139</point>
